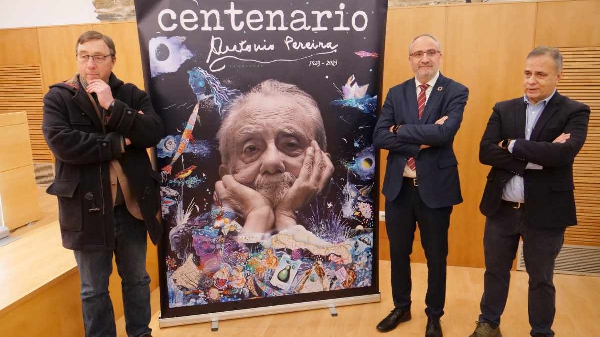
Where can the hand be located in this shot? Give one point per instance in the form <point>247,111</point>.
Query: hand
<point>102,89</point>
<point>424,146</point>
<point>562,138</point>
<point>314,176</point>
<point>392,128</point>
<point>441,120</point>
<point>256,209</point>
<point>127,141</point>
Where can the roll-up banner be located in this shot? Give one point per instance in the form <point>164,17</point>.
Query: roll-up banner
<point>269,184</point>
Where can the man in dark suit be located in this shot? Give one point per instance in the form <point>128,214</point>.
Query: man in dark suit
<point>418,122</point>
<point>530,142</point>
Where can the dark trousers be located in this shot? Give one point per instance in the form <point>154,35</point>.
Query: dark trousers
<point>540,249</point>
<point>401,217</point>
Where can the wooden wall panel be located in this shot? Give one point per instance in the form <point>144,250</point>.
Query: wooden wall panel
<point>17,181</point>
<point>19,46</point>
<point>16,149</point>
<point>57,49</point>
<point>21,90</point>
<point>489,60</point>
<point>568,23</point>
<point>20,204</point>
<point>403,24</point>
<point>129,63</point>
<point>581,82</point>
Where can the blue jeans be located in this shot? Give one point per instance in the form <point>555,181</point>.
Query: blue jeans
<point>95,268</point>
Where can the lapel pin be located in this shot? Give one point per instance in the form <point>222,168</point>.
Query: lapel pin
<point>440,88</point>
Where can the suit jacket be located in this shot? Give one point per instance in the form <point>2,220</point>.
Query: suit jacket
<point>437,171</point>
<point>549,200</point>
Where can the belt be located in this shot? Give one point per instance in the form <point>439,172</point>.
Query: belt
<point>412,180</point>
<point>513,204</point>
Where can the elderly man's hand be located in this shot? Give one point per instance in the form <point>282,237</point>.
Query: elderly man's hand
<point>314,176</point>
<point>256,209</point>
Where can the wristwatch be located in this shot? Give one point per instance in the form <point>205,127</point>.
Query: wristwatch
<point>505,143</point>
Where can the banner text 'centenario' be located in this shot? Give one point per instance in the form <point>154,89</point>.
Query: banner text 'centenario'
<point>270,20</point>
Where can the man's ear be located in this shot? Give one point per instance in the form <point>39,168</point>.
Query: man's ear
<point>223,170</point>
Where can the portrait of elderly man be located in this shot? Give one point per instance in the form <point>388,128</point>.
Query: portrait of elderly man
<point>273,160</point>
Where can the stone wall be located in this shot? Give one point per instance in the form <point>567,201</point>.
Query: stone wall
<point>115,10</point>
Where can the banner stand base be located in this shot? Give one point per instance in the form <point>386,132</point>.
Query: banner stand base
<point>4,232</point>
<point>275,309</point>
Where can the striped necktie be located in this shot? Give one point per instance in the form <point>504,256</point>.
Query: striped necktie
<point>421,104</point>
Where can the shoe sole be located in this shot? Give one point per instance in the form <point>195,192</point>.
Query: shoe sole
<point>498,335</point>
<point>404,319</point>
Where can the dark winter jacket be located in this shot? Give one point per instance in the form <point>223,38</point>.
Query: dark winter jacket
<point>83,151</point>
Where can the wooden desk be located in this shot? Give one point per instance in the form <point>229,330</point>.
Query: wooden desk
<point>17,180</point>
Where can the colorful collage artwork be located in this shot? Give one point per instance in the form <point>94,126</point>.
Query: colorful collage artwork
<point>269,172</point>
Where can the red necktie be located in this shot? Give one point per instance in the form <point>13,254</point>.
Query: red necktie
<point>421,104</point>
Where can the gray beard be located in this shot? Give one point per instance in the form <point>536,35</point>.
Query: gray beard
<point>274,188</point>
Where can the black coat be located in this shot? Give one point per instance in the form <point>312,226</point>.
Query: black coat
<point>549,199</point>
<point>437,170</point>
<point>83,151</point>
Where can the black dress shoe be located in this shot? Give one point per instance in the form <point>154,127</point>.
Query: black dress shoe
<point>392,320</point>
<point>433,329</point>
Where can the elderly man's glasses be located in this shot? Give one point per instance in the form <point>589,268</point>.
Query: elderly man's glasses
<point>97,58</point>
<point>429,53</point>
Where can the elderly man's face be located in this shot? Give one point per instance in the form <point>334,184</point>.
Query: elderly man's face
<point>270,137</point>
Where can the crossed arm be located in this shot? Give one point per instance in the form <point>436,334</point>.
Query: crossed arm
<point>561,151</point>
<point>74,146</point>
<point>141,128</point>
<point>410,138</point>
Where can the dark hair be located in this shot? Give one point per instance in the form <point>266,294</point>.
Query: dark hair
<point>554,53</point>
<point>94,35</point>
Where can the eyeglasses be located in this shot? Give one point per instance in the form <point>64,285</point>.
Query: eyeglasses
<point>420,53</point>
<point>98,59</point>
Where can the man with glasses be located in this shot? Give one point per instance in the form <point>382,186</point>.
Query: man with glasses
<point>417,125</point>
<point>98,128</point>
<point>530,143</point>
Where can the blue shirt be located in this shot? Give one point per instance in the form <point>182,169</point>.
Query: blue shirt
<point>514,188</point>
